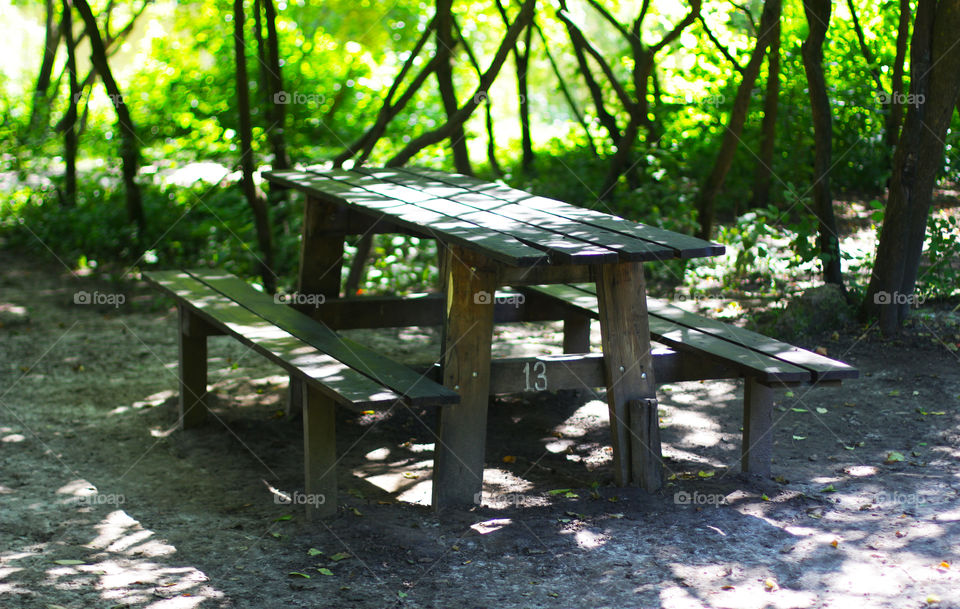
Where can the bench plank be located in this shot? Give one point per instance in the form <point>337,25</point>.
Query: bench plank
<point>823,368</point>
<point>417,389</point>
<point>335,379</point>
<point>684,338</point>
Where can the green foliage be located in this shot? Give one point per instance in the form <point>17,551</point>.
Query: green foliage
<point>940,277</point>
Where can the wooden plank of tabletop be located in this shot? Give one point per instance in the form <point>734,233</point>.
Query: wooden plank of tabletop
<point>627,247</point>
<point>493,244</point>
<point>685,246</point>
<point>560,247</point>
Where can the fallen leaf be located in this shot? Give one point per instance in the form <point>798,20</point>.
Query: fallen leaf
<point>314,552</point>
<point>339,556</point>
<point>509,459</point>
<point>799,410</point>
<point>944,565</point>
<point>704,474</point>
<point>411,475</point>
<point>558,491</point>
<point>820,351</point>
<point>822,411</point>
<point>764,497</point>
<point>835,543</point>
<point>799,437</point>
<point>894,457</point>
<point>828,489</point>
<point>727,587</point>
<point>324,571</point>
<point>571,495</point>
<point>933,599</point>
<point>282,518</point>
<point>69,561</point>
<point>356,512</point>
<point>298,574</point>
<point>894,393</point>
<point>770,585</point>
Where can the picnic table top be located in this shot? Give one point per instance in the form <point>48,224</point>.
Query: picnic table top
<point>505,224</point>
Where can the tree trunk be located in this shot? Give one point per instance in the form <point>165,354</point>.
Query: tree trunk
<point>444,73</point>
<point>443,132</point>
<point>258,206</point>
<point>70,121</point>
<point>488,115</point>
<point>40,107</point>
<point>818,19</point>
<point>523,96</point>
<point>707,197</point>
<point>895,111</point>
<point>768,128</point>
<point>129,148</point>
<point>934,89</point>
<point>276,113</point>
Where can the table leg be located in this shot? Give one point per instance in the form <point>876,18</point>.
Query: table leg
<point>319,453</point>
<point>631,396</point>
<point>321,265</point>
<point>757,443</point>
<point>467,336</point>
<point>193,369</point>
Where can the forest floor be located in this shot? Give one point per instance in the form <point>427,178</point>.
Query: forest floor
<point>104,504</point>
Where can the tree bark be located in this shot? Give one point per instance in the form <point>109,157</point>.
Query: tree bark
<point>523,96</point>
<point>768,128</point>
<point>129,148</point>
<point>706,199</point>
<point>444,74</point>
<point>70,121</point>
<point>258,206</point>
<point>443,132</point>
<point>818,19</point>
<point>277,113</point>
<point>934,89</point>
<point>895,111</point>
<point>51,42</point>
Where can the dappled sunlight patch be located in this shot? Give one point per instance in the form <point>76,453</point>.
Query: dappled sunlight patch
<point>12,438</point>
<point>592,415</point>
<point>502,489</point>
<point>410,482</point>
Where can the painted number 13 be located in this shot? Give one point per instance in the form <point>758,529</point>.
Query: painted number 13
<point>539,376</point>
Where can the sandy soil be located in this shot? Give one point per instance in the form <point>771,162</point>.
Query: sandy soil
<point>104,504</point>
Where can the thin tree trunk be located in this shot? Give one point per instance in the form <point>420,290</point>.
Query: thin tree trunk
<point>488,115</point>
<point>276,113</point>
<point>443,132</point>
<point>258,206</point>
<point>129,148</point>
<point>768,128</point>
<point>818,20</point>
<point>565,90</point>
<point>388,109</point>
<point>895,111</point>
<point>707,197</point>
<point>444,74</point>
<point>52,35</point>
<point>523,96</point>
<point>935,85</point>
<point>864,49</point>
<point>70,124</point>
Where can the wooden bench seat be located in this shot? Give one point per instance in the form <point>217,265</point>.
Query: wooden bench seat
<point>718,349</point>
<point>330,368</point>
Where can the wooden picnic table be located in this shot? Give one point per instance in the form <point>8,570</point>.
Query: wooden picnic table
<point>491,236</point>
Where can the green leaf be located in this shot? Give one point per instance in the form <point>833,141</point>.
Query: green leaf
<point>558,491</point>
<point>324,571</point>
<point>571,495</point>
<point>828,489</point>
<point>70,561</point>
<point>822,411</point>
<point>799,437</point>
<point>314,552</point>
<point>894,457</point>
<point>799,410</point>
<point>298,574</point>
<point>339,556</point>
<point>284,517</point>
<point>704,474</point>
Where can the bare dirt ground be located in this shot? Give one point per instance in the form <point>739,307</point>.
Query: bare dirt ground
<point>104,504</point>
